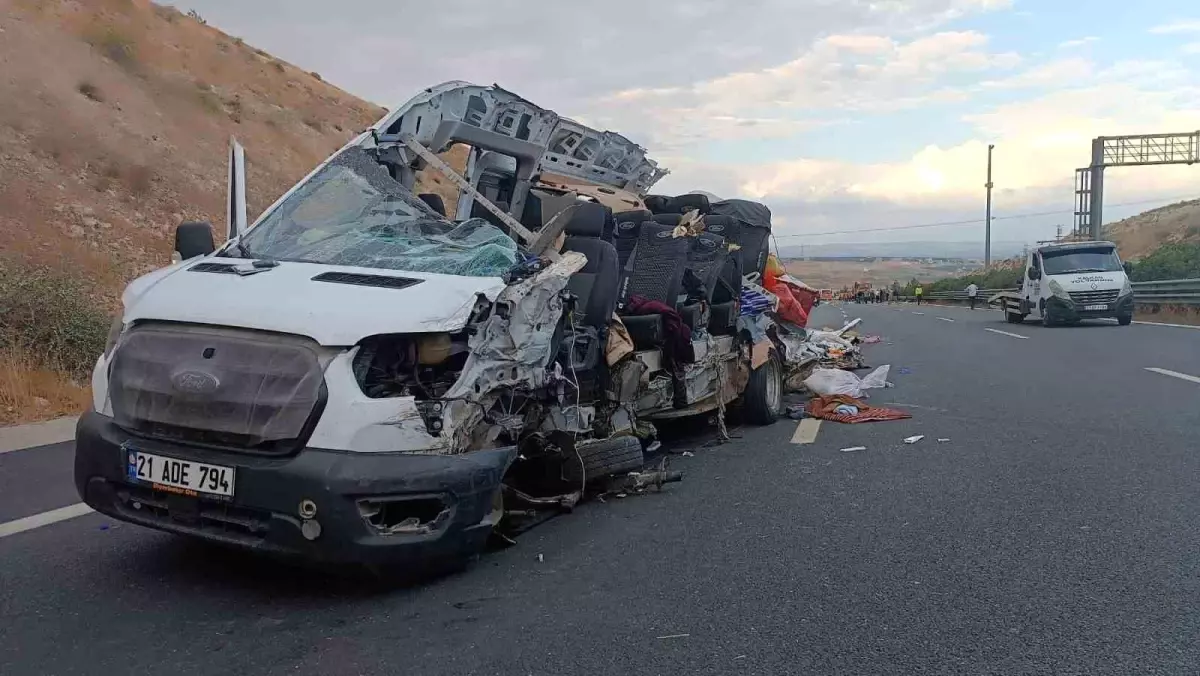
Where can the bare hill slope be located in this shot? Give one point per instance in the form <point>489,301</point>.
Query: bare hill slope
<point>1139,235</point>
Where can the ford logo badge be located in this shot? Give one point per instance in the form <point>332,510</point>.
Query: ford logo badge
<point>195,382</point>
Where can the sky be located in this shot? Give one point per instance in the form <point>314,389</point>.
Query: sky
<point>841,115</point>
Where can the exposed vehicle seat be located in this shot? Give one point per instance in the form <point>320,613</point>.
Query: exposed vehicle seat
<point>637,216</point>
<point>478,211</point>
<point>753,234</point>
<point>667,219</point>
<point>595,288</point>
<point>710,261</point>
<point>625,239</point>
<point>434,201</point>
<point>654,272</point>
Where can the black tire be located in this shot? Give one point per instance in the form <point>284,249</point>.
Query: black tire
<point>1047,322</point>
<point>1125,320</point>
<point>194,238</point>
<point>762,403</point>
<point>603,458</point>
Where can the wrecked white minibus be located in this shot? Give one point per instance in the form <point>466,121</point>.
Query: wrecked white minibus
<point>357,378</point>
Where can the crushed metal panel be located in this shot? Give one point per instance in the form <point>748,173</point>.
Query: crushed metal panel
<point>511,349</point>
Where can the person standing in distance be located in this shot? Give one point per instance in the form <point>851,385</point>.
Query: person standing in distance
<point>972,293</point>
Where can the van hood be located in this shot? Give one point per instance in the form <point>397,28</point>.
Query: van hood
<point>1090,281</point>
<point>352,304</point>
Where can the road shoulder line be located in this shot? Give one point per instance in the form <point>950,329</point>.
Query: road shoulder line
<point>20,437</point>
<point>44,519</point>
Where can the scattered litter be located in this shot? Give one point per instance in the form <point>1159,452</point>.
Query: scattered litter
<point>796,412</point>
<point>825,382</point>
<point>653,446</point>
<point>846,409</point>
<point>913,440</point>
<point>904,371</point>
<point>104,526</point>
<point>942,441</point>
<point>689,454</point>
<point>675,636</point>
<point>826,408</point>
<point>740,657</point>
<point>540,558</point>
<point>853,449</point>
<point>871,340</point>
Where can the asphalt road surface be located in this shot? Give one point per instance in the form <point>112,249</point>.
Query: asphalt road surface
<point>1054,532</point>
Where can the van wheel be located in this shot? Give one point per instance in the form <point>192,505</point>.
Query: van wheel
<point>762,403</point>
<point>1125,320</point>
<point>1014,317</point>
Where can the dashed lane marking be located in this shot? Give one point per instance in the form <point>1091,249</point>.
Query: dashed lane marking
<point>44,519</point>
<point>1006,333</point>
<point>945,319</point>
<point>806,432</point>
<point>1173,374</point>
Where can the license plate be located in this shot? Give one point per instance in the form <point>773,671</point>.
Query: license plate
<point>1088,308</point>
<point>183,477</point>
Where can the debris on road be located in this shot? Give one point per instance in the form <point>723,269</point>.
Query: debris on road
<point>913,440</point>
<point>826,409</point>
<point>825,382</point>
<point>668,636</point>
<point>942,441</point>
<point>853,449</point>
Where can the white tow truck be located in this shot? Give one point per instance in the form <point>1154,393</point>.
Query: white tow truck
<point>355,377</point>
<point>1068,282</point>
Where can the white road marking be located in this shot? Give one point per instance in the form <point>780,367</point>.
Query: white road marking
<point>1006,333</point>
<point>43,519</point>
<point>1174,374</point>
<point>806,431</point>
<point>945,319</point>
<point>1177,326</point>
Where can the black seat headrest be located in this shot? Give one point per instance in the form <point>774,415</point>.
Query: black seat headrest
<point>434,201</point>
<point>683,203</point>
<point>657,204</point>
<point>588,220</point>
<point>667,219</point>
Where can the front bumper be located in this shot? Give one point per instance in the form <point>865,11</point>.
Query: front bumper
<point>1068,311</point>
<point>452,497</point>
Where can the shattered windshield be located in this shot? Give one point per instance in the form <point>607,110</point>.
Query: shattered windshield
<point>1081,260</point>
<point>353,213</point>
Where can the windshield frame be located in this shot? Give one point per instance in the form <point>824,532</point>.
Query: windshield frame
<point>1098,259</point>
<point>353,212</point>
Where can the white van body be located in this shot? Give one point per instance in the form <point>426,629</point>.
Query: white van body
<point>1069,282</point>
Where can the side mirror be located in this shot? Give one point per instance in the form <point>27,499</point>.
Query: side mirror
<point>1128,267</point>
<point>194,238</point>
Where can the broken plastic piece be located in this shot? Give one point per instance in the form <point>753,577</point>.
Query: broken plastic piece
<point>942,441</point>
<point>853,449</point>
<point>913,440</point>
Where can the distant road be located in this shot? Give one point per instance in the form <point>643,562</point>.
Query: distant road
<point>1054,531</point>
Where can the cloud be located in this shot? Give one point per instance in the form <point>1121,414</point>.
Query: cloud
<point>1072,44</point>
<point>837,74</point>
<point>1191,48</point>
<point>1181,26</point>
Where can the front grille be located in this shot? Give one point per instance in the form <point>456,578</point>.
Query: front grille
<point>212,386</point>
<point>218,519</point>
<point>1095,297</point>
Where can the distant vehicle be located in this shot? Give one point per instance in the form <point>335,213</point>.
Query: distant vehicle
<point>826,294</point>
<point>1067,283</point>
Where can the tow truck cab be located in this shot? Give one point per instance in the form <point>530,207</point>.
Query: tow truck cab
<point>1069,282</point>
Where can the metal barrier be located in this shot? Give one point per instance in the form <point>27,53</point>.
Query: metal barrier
<point>1162,292</point>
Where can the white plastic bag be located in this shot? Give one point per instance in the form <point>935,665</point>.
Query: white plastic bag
<point>825,382</point>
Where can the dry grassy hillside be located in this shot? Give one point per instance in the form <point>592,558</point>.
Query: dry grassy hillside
<point>115,117</point>
<point>1139,235</point>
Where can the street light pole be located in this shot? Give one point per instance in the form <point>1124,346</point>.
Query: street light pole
<point>987,242</point>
